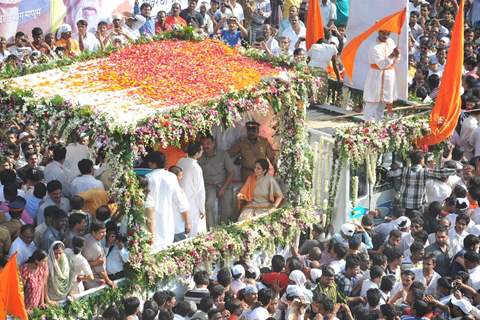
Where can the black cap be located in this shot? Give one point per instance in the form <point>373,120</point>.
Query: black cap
<point>17,203</point>
<point>252,124</point>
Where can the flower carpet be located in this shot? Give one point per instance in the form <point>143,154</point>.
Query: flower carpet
<point>141,79</point>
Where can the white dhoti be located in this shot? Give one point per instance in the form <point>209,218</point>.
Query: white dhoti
<point>194,187</point>
<point>379,87</point>
<point>373,111</point>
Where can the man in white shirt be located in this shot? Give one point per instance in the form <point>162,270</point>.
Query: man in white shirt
<point>54,198</point>
<point>56,170</point>
<point>407,278</point>
<point>133,23</point>
<point>86,181</point>
<point>296,33</point>
<point>437,190</point>
<point>270,44</point>
<point>338,253</point>
<point>379,90</point>
<point>414,6</point>
<point>376,274</point>
<point>9,177</point>
<point>77,151</point>
<point>329,12</point>
<point>260,312</point>
<point>237,10</point>
<point>207,20</point>
<point>23,244</point>
<point>472,264</point>
<point>458,233</point>
<point>194,187</point>
<point>321,54</point>
<point>165,195</point>
<point>117,256</point>
<point>427,274</point>
<point>86,40</point>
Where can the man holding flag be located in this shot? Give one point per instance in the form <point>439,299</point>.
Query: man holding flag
<point>379,90</point>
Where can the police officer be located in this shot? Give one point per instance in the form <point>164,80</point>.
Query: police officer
<point>251,148</point>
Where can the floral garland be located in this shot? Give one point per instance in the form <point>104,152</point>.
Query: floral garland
<point>287,97</point>
<point>355,143</point>
<point>223,245</point>
<point>362,143</point>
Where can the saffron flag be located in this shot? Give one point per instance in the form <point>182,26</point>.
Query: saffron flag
<point>445,113</point>
<point>393,23</point>
<point>314,23</point>
<point>11,292</point>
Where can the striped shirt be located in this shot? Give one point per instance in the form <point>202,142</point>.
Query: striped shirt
<point>414,179</point>
<point>332,293</point>
<point>196,294</point>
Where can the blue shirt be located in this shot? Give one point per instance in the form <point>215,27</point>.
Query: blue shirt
<point>148,28</point>
<point>231,38</point>
<point>33,203</point>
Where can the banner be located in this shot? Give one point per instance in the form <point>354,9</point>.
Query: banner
<point>364,14</point>
<point>24,15</point>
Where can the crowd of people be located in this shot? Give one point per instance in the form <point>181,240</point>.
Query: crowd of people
<point>421,260</point>
<point>68,236</point>
<point>430,25</point>
<point>278,31</point>
<point>56,215</point>
<point>418,261</point>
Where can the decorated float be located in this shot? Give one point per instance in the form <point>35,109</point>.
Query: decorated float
<point>162,93</point>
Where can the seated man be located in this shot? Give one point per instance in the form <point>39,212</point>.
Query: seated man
<point>70,45</point>
<point>95,254</point>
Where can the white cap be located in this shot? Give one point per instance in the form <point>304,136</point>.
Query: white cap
<point>463,304</point>
<point>446,40</point>
<point>348,229</point>
<point>64,28</point>
<point>294,291</point>
<point>23,135</point>
<point>315,274</point>
<point>254,270</point>
<point>403,222</point>
<point>298,277</point>
<point>238,271</point>
<point>462,203</point>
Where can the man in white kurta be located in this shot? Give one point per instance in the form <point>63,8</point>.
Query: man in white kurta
<point>194,188</point>
<point>166,198</point>
<point>379,90</point>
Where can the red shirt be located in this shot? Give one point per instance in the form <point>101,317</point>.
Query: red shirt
<point>159,28</point>
<point>171,21</point>
<point>271,277</point>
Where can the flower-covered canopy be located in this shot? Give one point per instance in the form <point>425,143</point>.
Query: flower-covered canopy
<point>142,79</point>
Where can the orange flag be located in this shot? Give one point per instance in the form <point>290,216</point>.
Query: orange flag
<point>11,292</point>
<point>314,23</point>
<point>392,23</point>
<point>445,113</point>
